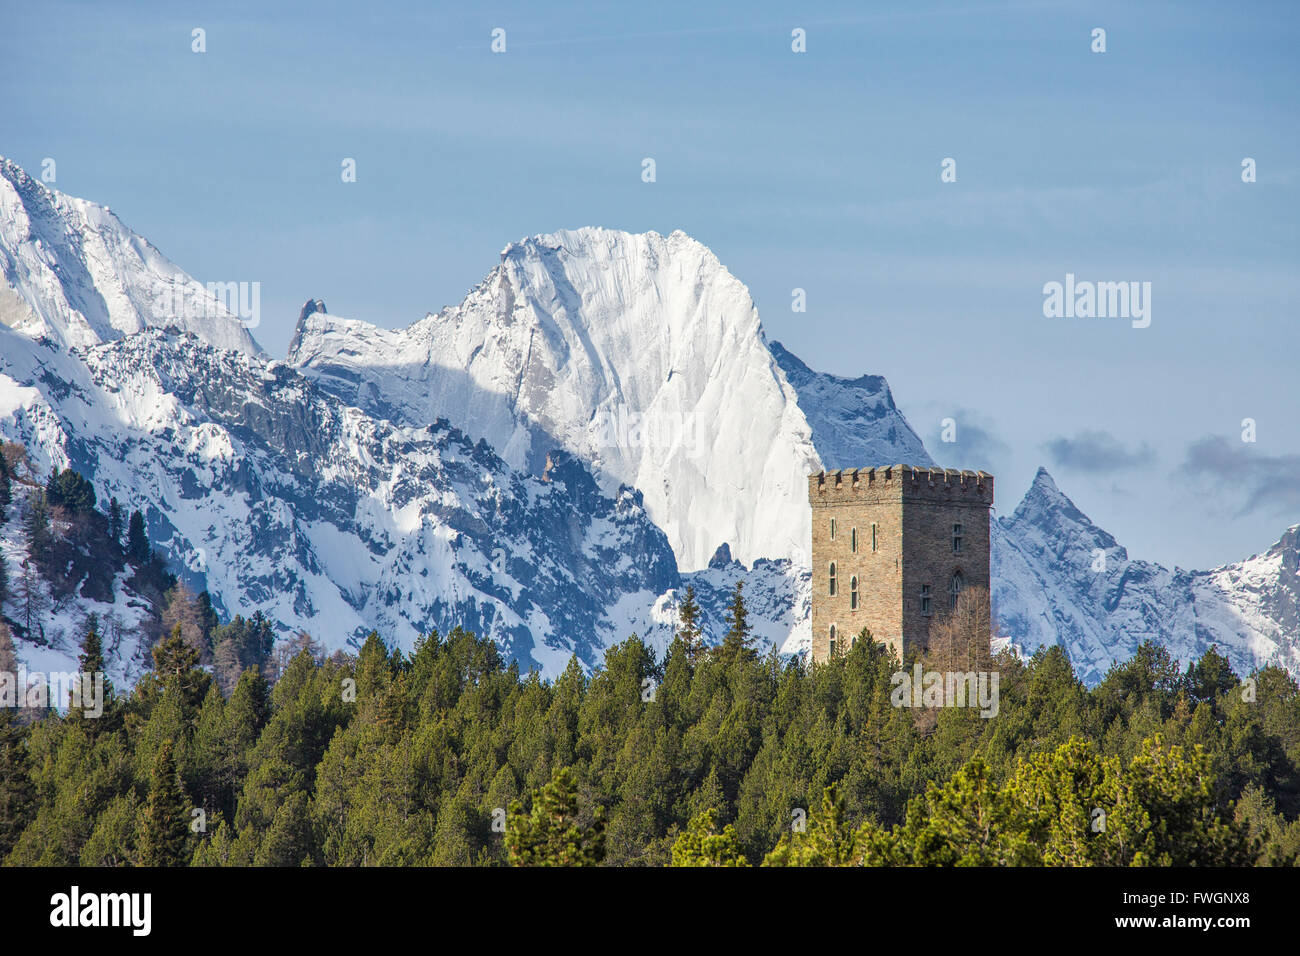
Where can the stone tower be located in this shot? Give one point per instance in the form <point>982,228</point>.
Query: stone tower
<point>891,550</point>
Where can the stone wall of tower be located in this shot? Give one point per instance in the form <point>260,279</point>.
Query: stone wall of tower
<point>929,558</point>
<point>913,510</point>
<point>879,572</point>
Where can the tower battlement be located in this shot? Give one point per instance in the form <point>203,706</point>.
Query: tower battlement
<point>893,547</point>
<point>894,482</point>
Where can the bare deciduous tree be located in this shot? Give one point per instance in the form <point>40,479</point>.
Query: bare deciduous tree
<point>960,640</point>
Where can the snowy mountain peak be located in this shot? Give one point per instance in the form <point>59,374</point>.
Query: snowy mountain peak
<point>1047,508</point>
<point>546,462</point>
<point>641,354</point>
<point>310,307</point>
<point>855,423</point>
<point>72,272</point>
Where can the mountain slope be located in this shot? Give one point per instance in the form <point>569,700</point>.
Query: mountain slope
<point>1045,588</point>
<point>639,354</point>
<point>72,272</point>
<point>548,462</point>
<point>278,498</point>
<point>1059,579</point>
<point>854,422</point>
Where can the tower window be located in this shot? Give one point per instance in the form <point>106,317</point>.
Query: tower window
<point>875,544</point>
<point>832,579</point>
<point>832,529</point>
<point>853,540</point>
<point>853,593</point>
<point>956,539</point>
<point>832,653</point>
<point>955,584</point>
<point>925,600</point>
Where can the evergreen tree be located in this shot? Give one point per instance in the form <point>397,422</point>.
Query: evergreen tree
<point>164,824</point>
<point>4,581</point>
<point>115,522</point>
<point>17,793</point>
<point>91,659</point>
<point>137,542</point>
<point>36,529</point>
<point>91,663</point>
<point>6,493</point>
<point>968,821</point>
<point>702,845</point>
<point>207,616</point>
<point>30,599</point>
<point>409,773</point>
<point>688,629</point>
<point>113,840</point>
<point>69,490</point>
<point>551,834</point>
<point>176,668</point>
<point>738,644</point>
<point>826,840</point>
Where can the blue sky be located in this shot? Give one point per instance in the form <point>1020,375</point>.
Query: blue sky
<point>817,170</point>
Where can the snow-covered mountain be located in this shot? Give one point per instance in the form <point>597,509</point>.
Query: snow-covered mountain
<point>855,422</point>
<point>600,423</point>
<point>1059,579</point>
<point>72,272</point>
<point>1050,584</point>
<point>642,355</point>
<point>278,499</point>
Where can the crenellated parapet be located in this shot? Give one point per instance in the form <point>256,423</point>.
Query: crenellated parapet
<point>897,482</point>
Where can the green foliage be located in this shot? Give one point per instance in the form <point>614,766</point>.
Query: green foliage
<point>1071,808</point>
<point>385,758</point>
<point>37,535</point>
<point>825,840</point>
<point>164,822</point>
<point>552,833</point>
<point>738,644</point>
<point>17,793</point>
<point>176,667</point>
<point>68,490</point>
<point>689,631</point>
<point>702,845</point>
<point>137,541</point>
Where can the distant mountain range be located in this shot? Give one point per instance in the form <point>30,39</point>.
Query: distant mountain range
<point>598,424</point>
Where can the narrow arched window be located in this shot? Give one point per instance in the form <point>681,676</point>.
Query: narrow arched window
<point>853,593</point>
<point>832,579</point>
<point>832,654</point>
<point>955,584</point>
